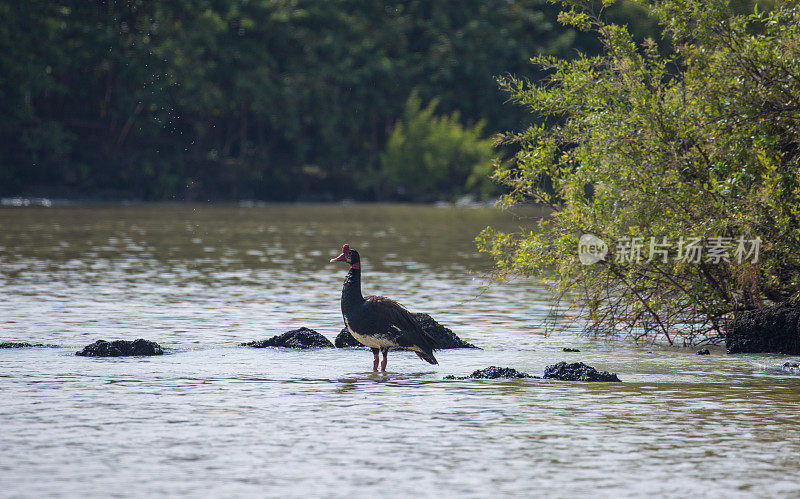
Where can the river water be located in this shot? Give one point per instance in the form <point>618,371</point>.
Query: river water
<point>214,419</point>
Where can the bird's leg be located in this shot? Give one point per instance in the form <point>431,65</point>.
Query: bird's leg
<point>375,361</point>
<point>383,363</point>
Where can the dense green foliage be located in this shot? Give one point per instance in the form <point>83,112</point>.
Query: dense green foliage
<point>701,140</point>
<point>271,99</point>
<point>430,157</point>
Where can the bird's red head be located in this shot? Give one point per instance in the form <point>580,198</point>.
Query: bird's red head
<point>348,256</point>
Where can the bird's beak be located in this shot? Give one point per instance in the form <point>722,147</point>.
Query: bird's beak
<point>340,258</point>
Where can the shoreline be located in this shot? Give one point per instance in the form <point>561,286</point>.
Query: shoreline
<point>59,202</point>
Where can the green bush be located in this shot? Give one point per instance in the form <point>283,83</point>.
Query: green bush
<point>431,157</point>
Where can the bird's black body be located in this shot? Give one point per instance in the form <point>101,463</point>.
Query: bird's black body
<point>377,322</point>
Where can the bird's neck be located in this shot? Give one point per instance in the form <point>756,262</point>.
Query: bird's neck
<point>351,292</point>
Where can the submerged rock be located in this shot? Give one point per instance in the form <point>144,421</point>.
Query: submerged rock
<point>23,344</point>
<point>121,348</point>
<point>774,329</point>
<point>296,338</point>
<point>703,352</point>
<point>493,372</point>
<point>577,371</point>
<point>791,368</point>
<point>444,337</point>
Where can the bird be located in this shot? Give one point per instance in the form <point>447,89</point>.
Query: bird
<point>378,322</point>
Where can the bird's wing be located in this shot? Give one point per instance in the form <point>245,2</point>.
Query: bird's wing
<point>410,333</point>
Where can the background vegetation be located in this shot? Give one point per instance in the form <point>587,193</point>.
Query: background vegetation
<point>265,99</point>
<point>697,139</point>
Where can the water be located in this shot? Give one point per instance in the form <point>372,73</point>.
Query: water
<point>213,419</point>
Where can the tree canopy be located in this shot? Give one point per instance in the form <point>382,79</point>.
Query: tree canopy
<point>267,99</point>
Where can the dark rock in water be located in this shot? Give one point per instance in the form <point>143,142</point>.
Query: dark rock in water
<point>791,368</point>
<point>570,350</point>
<point>444,337</point>
<point>121,348</point>
<point>774,329</point>
<point>493,372</point>
<point>296,338</point>
<point>563,371</point>
<point>703,352</point>
<point>12,344</point>
<point>344,340</point>
<point>577,371</point>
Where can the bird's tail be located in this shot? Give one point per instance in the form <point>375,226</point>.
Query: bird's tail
<point>427,357</point>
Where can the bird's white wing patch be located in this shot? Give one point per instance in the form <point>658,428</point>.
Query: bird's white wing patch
<point>371,341</point>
